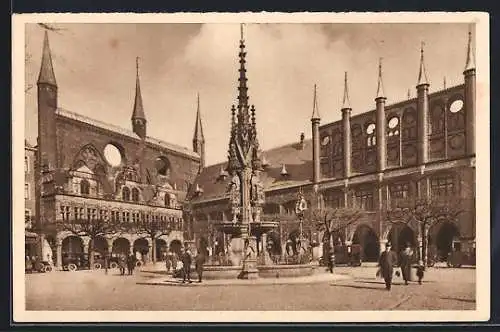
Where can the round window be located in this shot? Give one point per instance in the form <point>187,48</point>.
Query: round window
<point>325,140</point>
<point>370,129</point>
<point>456,106</point>
<point>112,155</point>
<point>393,122</point>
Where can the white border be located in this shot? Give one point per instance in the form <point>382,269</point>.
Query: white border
<point>482,311</point>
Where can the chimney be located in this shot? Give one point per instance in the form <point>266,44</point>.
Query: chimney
<point>302,138</point>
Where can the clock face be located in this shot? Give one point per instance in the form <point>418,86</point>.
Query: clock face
<point>325,140</point>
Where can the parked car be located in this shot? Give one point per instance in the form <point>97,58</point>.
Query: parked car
<point>37,266</point>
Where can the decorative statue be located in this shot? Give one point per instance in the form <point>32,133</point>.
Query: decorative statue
<point>234,195</point>
<point>257,190</point>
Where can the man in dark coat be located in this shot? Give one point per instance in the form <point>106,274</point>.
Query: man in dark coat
<point>386,263</point>
<point>199,261</point>
<point>122,263</point>
<point>186,262</point>
<point>130,264</point>
<point>405,263</point>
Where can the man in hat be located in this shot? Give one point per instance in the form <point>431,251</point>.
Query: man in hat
<point>405,263</point>
<point>386,263</point>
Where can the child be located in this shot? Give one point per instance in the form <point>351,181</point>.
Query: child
<point>420,272</point>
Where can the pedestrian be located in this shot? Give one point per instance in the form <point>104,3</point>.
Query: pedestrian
<point>168,262</point>
<point>405,263</point>
<point>386,265</point>
<point>130,264</point>
<point>186,264</point>
<point>122,264</point>
<point>199,261</point>
<point>420,271</point>
<point>330,257</point>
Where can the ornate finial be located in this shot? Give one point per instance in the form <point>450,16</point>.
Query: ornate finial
<point>470,63</point>
<point>409,94</point>
<point>241,32</point>
<point>137,65</point>
<point>422,74</point>
<point>315,114</point>
<point>444,82</point>
<point>380,83</point>
<point>346,103</point>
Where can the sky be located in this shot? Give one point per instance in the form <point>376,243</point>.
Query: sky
<point>95,70</point>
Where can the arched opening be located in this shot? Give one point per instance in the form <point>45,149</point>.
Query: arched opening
<point>219,244</point>
<point>368,240</point>
<point>135,194</point>
<point>400,235</point>
<point>176,246</point>
<point>162,165</point>
<point>274,241</point>
<point>141,248</point>
<point>161,249</point>
<point>72,250</point>
<point>99,245</point>
<point>441,239</point>
<point>72,245</point>
<point>121,246</point>
<point>84,187</point>
<point>126,194</point>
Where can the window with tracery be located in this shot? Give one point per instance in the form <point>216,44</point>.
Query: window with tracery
<point>126,194</point>
<point>393,127</point>
<point>400,190</point>
<point>409,124</point>
<point>337,143</point>
<point>334,200</point>
<point>437,120</point>
<point>364,199</point>
<point>370,135</point>
<point>456,115</point>
<point>442,186</point>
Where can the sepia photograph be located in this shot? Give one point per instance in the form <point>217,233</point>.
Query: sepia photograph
<point>251,167</point>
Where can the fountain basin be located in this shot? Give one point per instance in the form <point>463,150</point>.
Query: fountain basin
<point>286,271</point>
<point>217,272</point>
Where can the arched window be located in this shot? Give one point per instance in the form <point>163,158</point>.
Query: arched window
<point>437,120</point>
<point>393,127</point>
<point>135,194</point>
<point>370,135</point>
<point>126,194</point>
<point>409,124</point>
<point>84,187</point>
<point>456,116</point>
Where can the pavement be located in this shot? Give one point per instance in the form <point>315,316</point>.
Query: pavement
<point>351,288</point>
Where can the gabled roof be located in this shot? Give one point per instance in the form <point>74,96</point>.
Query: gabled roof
<point>297,160</point>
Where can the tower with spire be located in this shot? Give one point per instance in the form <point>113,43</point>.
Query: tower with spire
<point>138,116</point>
<point>346,129</point>
<point>380,126</point>
<point>315,121</point>
<point>47,106</point>
<point>198,137</point>
<point>422,110</point>
<point>470,97</point>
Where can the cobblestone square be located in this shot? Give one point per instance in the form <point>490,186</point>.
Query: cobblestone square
<point>443,289</point>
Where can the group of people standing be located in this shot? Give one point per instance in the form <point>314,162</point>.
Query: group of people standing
<point>127,262</point>
<point>181,264</point>
<point>388,259</point>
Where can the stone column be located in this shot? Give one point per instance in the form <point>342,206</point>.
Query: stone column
<point>346,137</point>
<point>380,134</point>
<point>59,253</point>
<point>423,122</point>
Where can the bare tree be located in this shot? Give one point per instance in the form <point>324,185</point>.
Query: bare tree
<point>425,213</point>
<point>91,228</point>
<point>333,222</point>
